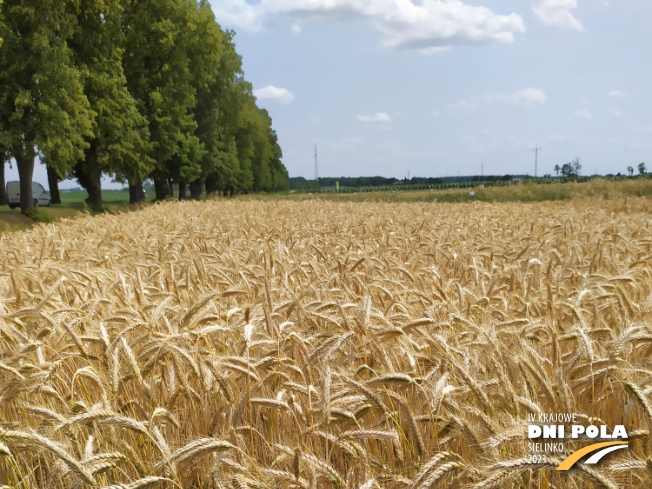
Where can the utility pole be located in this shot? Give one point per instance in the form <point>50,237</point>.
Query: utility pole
<point>481,170</point>
<point>536,154</point>
<point>316,167</point>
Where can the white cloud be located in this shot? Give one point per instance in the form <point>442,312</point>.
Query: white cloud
<point>558,13</point>
<point>296,28</point>
<point>527,97</point>
<point>464,104</point>
<point>238,13</point>
<point>436,25</point>
<point>616,94</point>
<point>379,117</point>
<point>617,113</point>
<point>427,26</point>
<point>270,92</point>
<point>583,113</point>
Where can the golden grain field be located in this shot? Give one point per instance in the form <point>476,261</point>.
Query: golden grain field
<point>324,344</point>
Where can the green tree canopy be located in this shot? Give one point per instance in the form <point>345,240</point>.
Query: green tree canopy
<point>120,142</point>
<point>131,89</point>
<point>159,38</point>
<point>43,108</point>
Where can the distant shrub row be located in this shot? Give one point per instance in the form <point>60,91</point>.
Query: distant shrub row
<point>460,185</point>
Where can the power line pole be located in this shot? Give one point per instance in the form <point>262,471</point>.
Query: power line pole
<point>316,167</point>
<point>536,154</point>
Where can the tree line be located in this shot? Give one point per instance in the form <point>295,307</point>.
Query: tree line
<point>641,169</point>
<point>570,169</point>
<point>135,90</point>
<point>573,168</point>
<point>376,181</point>
<point>301,183</point>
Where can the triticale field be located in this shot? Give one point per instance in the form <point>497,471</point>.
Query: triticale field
<point>325,344</point>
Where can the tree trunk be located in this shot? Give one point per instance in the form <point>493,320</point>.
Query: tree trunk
<point>90,178</point>
<point>94,190</point>
<point>3,185</point>
<point>25,166</point>
<point>182,190</point>
<point>136,193</point>
<point>53,182</point>
<point>195,189</point>
<point>211,186</point>
<point>161,188</point>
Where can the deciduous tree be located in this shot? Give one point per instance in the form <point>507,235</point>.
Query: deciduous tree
<point>119,144</point>
<point>43,109</point>
<point>159,34</point>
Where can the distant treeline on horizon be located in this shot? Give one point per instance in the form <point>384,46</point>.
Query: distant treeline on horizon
<point>300,182</point>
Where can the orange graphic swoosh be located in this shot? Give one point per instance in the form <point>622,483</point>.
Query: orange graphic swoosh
<point>571,459</point>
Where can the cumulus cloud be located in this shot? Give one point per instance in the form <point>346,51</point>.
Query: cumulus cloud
<point>427,26</point>
<point>238,13</point>
<point>527,97</point>
<point>270,92</point>
<point>616,94</point>
<point>436,25</point>
<point>379,117</point>
<point>558,13</point>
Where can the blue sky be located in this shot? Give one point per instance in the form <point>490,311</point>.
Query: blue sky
<point>436,87</point>
<point>433,88</point>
